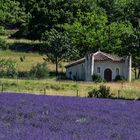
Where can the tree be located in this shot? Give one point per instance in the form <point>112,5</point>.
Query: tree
<point>88,31</point>
<point>92,31</point>
<point>11,13</point>
<point>57,46</point>
<point>116,33</point>
<point>131,46</point>
<point>47,14</point>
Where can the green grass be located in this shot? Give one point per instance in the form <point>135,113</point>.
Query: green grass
<point>31,59</point>
<point>129,94</point>
<point>17,41</point>
<point>21,41</point>
<point>67,88</point>
<point>51,86</point>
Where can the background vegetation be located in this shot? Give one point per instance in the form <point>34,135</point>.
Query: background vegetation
<point>111,25</point>
<point>33,32</point>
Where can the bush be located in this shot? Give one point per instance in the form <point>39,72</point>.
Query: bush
<point>8,68</point>
<point>92,93</point>
<point>97,78</point>
<point>2,31</point>
<point>102,92</point>
<point>119,78</point>
<point>39,71</point>
<point>23,74</point>
<point>3,44</point>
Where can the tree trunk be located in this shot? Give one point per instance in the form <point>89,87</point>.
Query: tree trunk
<point>56,62</point>
<point>135,69</point>
<point>139,73</point>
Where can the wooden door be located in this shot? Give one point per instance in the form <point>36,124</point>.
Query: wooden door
<point>108,75</point>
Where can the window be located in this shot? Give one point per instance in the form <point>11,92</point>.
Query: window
<point>98,70</point>
<point>70,74</point>
<point>117,72</point>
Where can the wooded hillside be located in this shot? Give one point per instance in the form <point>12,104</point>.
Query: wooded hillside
<point>75,27</point>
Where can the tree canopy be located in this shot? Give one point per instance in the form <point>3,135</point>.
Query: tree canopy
<point>111,25</point>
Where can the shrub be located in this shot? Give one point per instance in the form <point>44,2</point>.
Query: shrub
<point>23,74</point>
<point>3,44</point>
<point>93,93</point>
<point>119,78</point>
<point>39,71</point>
<point>61,76</point>
<point>2,31</point>
<point>102,92</point>
<point>97,78</point>
<point>8,68</point>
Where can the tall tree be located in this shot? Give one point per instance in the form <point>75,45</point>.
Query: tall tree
<point>47,14</point>
<point>88,31</point>
<point>116,33</point>
<point>92,31</point>
<point>57,46</point>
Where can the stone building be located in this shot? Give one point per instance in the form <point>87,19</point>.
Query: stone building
<point>106,65</point>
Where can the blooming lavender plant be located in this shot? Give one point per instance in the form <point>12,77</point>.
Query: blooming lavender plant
<point>38,117</point>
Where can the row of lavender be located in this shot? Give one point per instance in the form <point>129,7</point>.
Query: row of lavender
<point>34,117</point>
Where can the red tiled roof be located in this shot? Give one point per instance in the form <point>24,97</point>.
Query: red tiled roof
<point>101,56</point>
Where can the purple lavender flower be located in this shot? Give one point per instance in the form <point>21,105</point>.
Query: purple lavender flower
<point>38,117</point>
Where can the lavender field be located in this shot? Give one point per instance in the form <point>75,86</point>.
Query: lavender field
<point>34,117</point>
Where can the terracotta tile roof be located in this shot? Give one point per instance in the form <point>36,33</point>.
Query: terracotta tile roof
<point>101,56</point>
<point>98,56</point>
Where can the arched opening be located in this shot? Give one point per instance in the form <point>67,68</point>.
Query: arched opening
<point>108,75</point>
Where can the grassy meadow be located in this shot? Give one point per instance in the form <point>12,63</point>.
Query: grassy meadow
<point>51,86</point>
<point>68,88</point>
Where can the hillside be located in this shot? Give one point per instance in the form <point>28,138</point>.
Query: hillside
<point>70,30</point>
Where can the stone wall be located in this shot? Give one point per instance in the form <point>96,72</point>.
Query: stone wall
<point>76,72</point>
<point>85,70</point>
<point>109,65</point>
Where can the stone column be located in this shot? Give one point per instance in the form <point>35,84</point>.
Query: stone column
<point>125,68</point>
<point>92,65</point>
<point>88,64</point>
<point>129,68</point>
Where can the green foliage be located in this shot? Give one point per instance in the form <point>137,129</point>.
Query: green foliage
<point>39,71</point>
<point>102,92</point>
<point>8,68</point>
<point>87,33</point>
<point>111,25</point>
<point>3,44</point>
<point>48,14</point>
<point>2,30</point>
<point>11,13</point>
<point>116,32</point>
<point>24,74</point>
<point>57,46</point>
<point>97,78</point>
<point>119,78</point>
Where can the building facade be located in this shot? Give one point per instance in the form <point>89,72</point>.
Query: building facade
<point>106,65</point>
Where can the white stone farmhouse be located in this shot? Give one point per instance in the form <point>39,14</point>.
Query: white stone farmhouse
<point>106,65</point>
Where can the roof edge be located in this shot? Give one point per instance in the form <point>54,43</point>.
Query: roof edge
<point>79,61</point>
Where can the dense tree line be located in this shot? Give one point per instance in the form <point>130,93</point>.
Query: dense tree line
<point>85,25</point>
<point>11,14</point>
